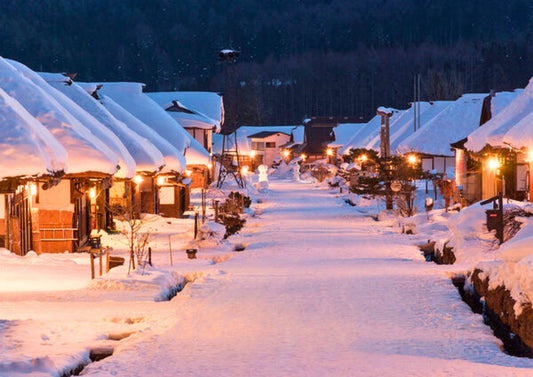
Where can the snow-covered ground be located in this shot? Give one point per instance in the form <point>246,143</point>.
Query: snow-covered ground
<point>321,290</point>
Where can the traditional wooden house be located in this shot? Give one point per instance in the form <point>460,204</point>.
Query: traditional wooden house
<point>60,208</point>
<point>501,161</point>
<point>483,163</point>
<point>173,187</point>
<point>28,154</point>
<point>432,140</point>
<point>123,193</point>
<point>317,135</point>
<point>200,128</point>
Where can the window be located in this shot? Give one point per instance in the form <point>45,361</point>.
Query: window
<point>258,145</point>
<point>271,144</point>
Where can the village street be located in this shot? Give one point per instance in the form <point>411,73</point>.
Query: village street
<point>319,291</point>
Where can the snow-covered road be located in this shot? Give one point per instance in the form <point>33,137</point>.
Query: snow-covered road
<point>319,291</point>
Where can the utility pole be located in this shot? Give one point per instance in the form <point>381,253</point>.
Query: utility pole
<point>385,115</point>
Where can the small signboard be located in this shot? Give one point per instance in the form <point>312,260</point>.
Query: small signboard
<point>395,186</point>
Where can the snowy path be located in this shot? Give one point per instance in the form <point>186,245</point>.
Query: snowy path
<point>319,292</point>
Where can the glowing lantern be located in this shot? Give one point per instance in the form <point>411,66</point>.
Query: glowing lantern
<point>329,152</point>
<point>252,154</point>
<point>363,158</point>
<point>303,156</point>
<point>161,180</point>
<point>244,170</point>
<point>138,179</point>
<point>286,153</point>
<point>411,159</point>
<point>92,193</point>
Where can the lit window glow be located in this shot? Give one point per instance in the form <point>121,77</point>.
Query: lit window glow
<point>493,163</point>
<point>138,179</point>
<point>329,152</point>
<point>33,189</point>
<point>161,180</point>
<point>303,156</point>
<point>253,154</point>
<point>363,158</point>
<point>286,153</point>
<point>188,173</point>
<point>245,169</point>
<point>92,193</point>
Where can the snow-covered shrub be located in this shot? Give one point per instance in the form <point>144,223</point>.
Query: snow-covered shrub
<point>211,231</point>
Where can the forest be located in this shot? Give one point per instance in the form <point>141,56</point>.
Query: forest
<point>298,58</point>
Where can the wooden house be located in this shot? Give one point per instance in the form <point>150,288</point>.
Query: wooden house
<point>64,210</point>
<point>487,165</point>
<point>130,97</point>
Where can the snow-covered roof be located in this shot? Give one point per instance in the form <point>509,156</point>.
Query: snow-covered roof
<point>85,152</point>
<point>344,132</point>
<point>145,155</point>
<point>126,162</point>
<point>195,120</point>
<point>196,154</point>
<point>174,159</point>
<point>493,131</point>
<point>129,95</point>
<point>455,122</point>
<point>26,146</point>
<point>209,104</point>
<point>298,134</point>
<point>402,128</point>
<point>521,135</point>
<point>368,133</point>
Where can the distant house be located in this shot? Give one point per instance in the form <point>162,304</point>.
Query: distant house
<point>267,146</point>
<point>317,135</point>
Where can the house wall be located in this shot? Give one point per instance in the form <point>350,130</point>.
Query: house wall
<point>460,167</point>
<point>173,200</point>
<point>3,220</point>
<point>200,176</point>
<point>53,219</point>
<point>203,136</point>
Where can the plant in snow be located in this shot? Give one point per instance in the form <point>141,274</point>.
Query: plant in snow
<point>136,233</point>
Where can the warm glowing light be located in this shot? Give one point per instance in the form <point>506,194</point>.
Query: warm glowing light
<point>329,152</point>
<point>530,156</point>
<point>210,165</point>
<point>493,163</point>
<point>32,187</point>
<point>245,169</point>
<point>363,158</point>
<point>303,156</point>
<point>92,193</point>
<point>161,180</point>
<point>188,173</point>
<point>286,153</point>
<point>138,179</point>
<point>411,159</point>
<point>252,154</point>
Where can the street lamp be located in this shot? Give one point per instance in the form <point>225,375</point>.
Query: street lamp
<point>493,163</point>
<point>411,159</point>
